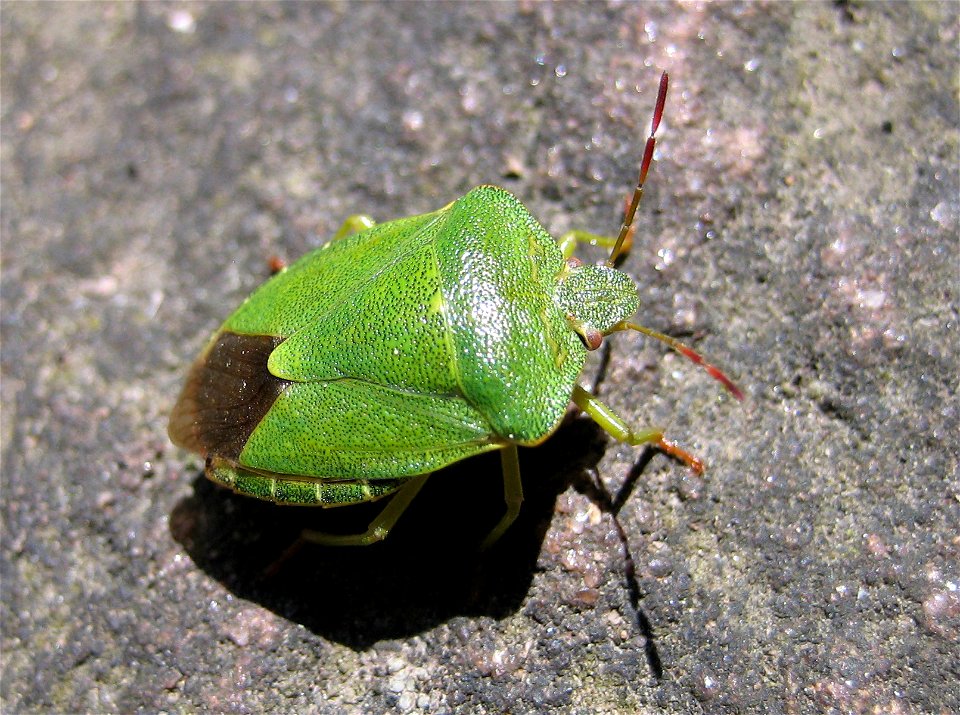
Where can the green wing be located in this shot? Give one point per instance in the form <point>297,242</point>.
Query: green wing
<point>389,330</point>
<point>358,430</point>
<point>326,277</point>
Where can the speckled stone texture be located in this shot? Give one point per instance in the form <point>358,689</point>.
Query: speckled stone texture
<point>800,228</point>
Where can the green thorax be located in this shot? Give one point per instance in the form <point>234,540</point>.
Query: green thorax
<point>516,357</point>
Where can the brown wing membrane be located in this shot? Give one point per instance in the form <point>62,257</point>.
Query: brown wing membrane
<point>227,393</point>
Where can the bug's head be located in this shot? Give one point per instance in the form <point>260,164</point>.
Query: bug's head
<point>595,299</point>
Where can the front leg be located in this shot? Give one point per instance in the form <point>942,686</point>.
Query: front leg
<point>614,425</point>
<point>353,224</point>
<point>568,242</point>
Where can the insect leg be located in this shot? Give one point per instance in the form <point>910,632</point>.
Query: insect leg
<point>353,224</point>
<point>379,527</point>
<point>512,494</point>
<point>568,242</point>
<point>614,425</point>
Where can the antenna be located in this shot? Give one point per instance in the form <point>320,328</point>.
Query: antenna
<point>689,353</point>
<point>692,355</point>
<point>644,168</point>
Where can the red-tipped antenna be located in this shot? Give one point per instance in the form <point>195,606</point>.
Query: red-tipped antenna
<point>644,168</point>
<point>692,355</point>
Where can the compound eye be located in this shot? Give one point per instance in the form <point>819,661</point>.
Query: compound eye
<point>591,337</point>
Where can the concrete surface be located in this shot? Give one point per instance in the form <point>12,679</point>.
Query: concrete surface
<point>801,229</point>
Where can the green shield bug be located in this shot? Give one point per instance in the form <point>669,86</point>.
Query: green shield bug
<point>399,348</point>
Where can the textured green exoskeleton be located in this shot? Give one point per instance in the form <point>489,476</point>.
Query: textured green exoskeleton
<point>399,348</point>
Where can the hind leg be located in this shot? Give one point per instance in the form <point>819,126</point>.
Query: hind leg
<point>380,526</point>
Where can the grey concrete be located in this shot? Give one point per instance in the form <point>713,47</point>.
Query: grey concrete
<point>801,229</point>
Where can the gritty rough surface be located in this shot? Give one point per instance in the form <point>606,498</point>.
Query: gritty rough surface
<point>800,228</point>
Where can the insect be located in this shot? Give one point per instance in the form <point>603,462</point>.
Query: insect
<point>399,348</point>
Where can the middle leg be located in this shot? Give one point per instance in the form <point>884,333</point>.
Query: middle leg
<point>512,494</point>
